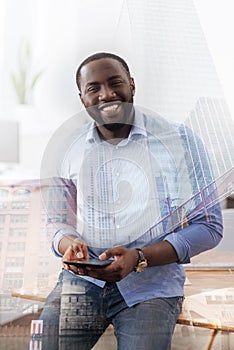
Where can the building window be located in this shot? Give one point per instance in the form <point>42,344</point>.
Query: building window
<point>43,261</point>
<point>44,246</point>
<point>20,193</point>
<point>54,218</point>
<point>3,193</point>
<point>16,246</point>
<point>64,205</point>
<point>57,205</point>
<point>2,218</point>
<point>15,261</point>
<point>3,205</point>
<point>12,281</point>
<point>19,218</point>
<point>57,218</point>
<point>18,232</point>
<point>42,283</point>
<point>56,193</point>
<point>43,275</point>
<point>20,205</point>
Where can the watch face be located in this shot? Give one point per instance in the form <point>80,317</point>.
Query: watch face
<point>141,266</point>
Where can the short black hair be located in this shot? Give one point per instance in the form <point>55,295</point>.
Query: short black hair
<point>98,56</point>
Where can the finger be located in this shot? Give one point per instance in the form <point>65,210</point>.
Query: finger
<point>69,257</point>
<point>81,271</point>
<point>112,252</point>
<point>72,268</point>
<point>105,274</point>
<point>77,249</point>
<point>94,273</point>
<point>80,250</point>
<point>66,267</point>
<point>85,251</point>
<point>77,270</point>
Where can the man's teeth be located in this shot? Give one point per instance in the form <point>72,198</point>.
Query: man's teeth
<point>110,108</point>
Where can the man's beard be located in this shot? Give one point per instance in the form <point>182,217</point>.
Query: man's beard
<point>114,126</point>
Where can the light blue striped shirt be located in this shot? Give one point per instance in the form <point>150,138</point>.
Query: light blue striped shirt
<point>135,193</point>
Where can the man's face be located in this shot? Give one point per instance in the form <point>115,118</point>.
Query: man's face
<point>107,92</point>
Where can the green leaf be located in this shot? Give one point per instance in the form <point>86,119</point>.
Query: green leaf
<point>35,79</point>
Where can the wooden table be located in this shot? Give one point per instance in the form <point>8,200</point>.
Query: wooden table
<point>209,300</point>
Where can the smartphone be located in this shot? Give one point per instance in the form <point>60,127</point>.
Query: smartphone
<point>89,262</point>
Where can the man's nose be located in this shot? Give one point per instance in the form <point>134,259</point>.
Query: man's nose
<point>106,93</point>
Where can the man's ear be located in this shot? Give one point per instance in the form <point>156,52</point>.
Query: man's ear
<point>132,86</point>
<point>81,99</point>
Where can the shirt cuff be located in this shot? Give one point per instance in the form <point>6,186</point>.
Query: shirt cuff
<point>181,248</point>
<point>57,238</point>
<point>193,240</point>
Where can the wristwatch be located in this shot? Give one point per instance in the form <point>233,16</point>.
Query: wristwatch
<point>142,262</point>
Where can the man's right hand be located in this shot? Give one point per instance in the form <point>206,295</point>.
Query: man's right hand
<point>73,248</point>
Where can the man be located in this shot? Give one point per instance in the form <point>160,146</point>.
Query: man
<point>135,194</point>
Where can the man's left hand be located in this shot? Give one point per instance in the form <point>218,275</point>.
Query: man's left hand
<point>124,262</point>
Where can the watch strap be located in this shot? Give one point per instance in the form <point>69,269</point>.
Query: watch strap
<point>142,262</point>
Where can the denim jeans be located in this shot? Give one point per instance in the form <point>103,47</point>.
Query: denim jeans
<point>77,313</point>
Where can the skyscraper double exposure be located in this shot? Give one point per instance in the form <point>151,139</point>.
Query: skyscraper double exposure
<point>172,56</point>
<point>178,76</point>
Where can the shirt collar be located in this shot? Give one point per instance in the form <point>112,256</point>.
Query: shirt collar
<point>138,128</point>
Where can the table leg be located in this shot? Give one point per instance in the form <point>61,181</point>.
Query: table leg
<point>212,338</point>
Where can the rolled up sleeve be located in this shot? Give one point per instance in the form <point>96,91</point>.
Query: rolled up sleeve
<point>59,198</point>
<point>193,240</point>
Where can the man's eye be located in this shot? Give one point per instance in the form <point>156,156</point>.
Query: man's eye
<point>116,82</point>
<point>92,89</point>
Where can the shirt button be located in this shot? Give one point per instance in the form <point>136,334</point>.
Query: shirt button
<point>117,226</point>
<point>117,174</point>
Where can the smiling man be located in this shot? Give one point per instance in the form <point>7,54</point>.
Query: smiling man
<point>128,179</point>
<point>107,90</point>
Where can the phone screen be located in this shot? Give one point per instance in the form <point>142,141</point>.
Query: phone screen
<point>89,262</point>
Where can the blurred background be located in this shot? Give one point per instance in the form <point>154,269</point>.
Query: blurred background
<point>177,53</point>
